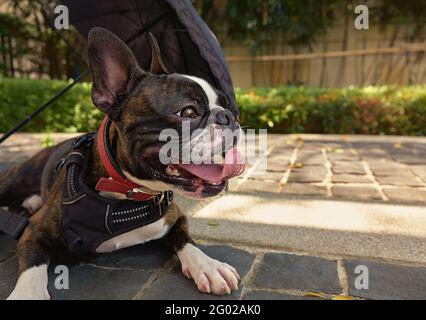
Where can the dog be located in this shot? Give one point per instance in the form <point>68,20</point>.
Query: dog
<point>139,105</point>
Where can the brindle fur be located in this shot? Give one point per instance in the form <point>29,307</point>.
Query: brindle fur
<point>34,246</point>
<point>131,109</point>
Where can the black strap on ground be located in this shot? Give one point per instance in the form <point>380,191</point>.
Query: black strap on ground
<point>44,106</point>
<point>12,224</point>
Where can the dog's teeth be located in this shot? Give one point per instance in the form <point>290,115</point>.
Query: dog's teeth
<point>172,172</point>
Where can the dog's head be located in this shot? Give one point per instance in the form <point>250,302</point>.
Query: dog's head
<point>173,131</point>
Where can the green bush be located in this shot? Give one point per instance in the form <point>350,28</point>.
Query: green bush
<point>368,110</point>
<point>73,112</point>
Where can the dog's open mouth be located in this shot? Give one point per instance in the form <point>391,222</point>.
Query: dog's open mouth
<point>206,178</point>
<point>195,180</point>
<point>214,174</point>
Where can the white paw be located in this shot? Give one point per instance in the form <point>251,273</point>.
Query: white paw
<point>33,203</point>
<point>31,285</point>
<point>29,295</point>
<point>210,275</point>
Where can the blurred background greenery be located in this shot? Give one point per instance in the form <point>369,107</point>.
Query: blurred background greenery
<point>286,109</point>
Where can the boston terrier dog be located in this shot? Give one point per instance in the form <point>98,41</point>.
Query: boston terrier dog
<point>138,106</point>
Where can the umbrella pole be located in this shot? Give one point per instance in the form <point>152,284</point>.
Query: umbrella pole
<point>44,106</point>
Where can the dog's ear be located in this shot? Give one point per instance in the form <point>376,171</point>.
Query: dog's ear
<point>114,70</point>
<point>157,64</point>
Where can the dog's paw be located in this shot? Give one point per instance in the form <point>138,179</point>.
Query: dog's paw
<point>210,275</point>
<point>29,295</point>
<point>33,203</point>
<point>31,285</point>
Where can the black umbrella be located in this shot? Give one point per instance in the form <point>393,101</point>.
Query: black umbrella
<point>187,45</point>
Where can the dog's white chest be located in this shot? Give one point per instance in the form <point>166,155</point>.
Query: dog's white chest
<point>144,234</point>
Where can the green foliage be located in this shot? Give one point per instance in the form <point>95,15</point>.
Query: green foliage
<point>259,22</point>
<point>31,47</point>
<point>369,110</point>
<point>73,112</point>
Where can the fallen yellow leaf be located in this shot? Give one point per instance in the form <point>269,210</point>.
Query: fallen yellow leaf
<point>298,165</point>
<point>316,295</point>
<point>342,298</point>
<point>213,223</point>
<point>200,241</point>
<point>397,145</point>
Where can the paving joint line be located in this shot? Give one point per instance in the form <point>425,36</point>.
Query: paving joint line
<point>292,292</point>
<point>327,182</point>
<point>370,174</point>
<point>416,176</point>
<point>251,274</point>
<point>343,277</point>
<point>253,168</point>
<point>287,174</point>
<point>167,268</point>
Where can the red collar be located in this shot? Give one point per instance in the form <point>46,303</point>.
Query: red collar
<point>118,183</point>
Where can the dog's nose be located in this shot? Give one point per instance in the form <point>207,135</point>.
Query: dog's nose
<point>224,117</point>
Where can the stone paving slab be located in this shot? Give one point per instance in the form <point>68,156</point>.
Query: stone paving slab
<point>387,281</point>
<point>8,276</point>
<point>341,167</point>
<point>350,178</point>
<point>309,173</point>
<point>388,169</point>
<point>356,193</point>
<point>294,272</point>
<point>303,189</point>
<point>406,195</point>
<point>92,283</point>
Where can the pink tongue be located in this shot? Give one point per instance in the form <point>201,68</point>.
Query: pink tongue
<point>234,166</point>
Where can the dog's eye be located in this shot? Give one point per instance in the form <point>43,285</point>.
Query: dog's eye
<point>188,112</point>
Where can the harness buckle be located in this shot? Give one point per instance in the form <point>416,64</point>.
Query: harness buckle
<point>131,193</point>
<point>169,197</point>
<point>158,200</point>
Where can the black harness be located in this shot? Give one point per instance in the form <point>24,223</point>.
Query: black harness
<point>89,219</point>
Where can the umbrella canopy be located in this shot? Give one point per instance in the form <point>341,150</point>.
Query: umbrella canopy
<point>187,45</point>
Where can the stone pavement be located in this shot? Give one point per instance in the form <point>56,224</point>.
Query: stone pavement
<point>361,168</point>
<point>364,169</point>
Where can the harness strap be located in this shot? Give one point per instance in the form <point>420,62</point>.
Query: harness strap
<point>12,224</point>
<point>117,182</point>
<point>89,219</point>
